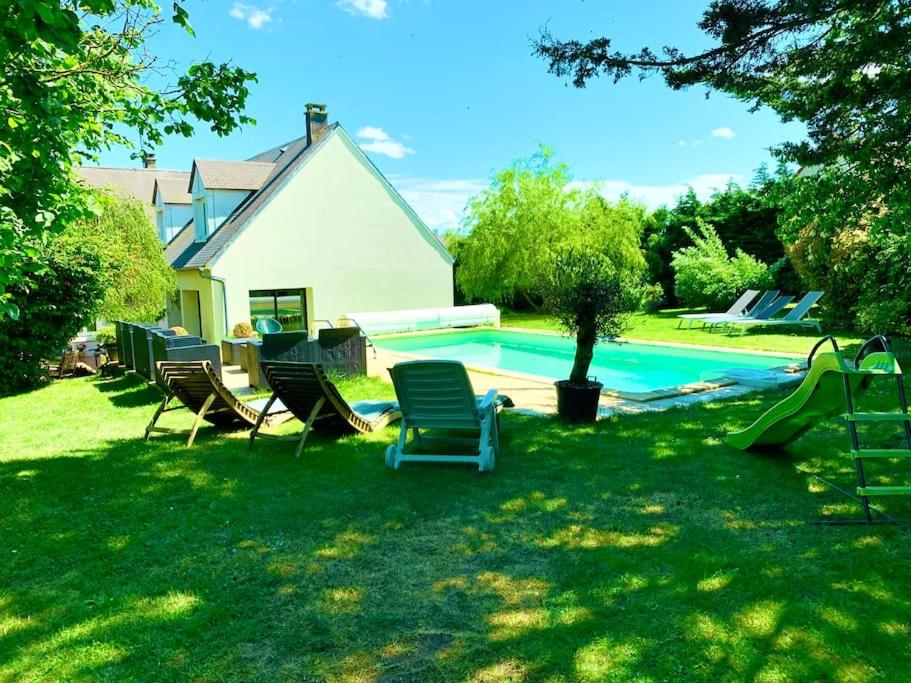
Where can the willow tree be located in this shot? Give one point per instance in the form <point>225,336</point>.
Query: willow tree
<point>516,227</point>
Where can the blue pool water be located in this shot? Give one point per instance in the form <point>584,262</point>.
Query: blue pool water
<point>626,367</point>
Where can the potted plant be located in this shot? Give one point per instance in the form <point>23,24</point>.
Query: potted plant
<point>591,300</point>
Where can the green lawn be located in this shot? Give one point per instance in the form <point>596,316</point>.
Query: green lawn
<point>662,326</point>
<point>639,548</point>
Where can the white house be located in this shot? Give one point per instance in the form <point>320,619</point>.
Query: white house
<point>303,232</point>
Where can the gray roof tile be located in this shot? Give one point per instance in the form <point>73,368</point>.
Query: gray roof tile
<point>184,252</point>
<point>174,190</point>
<point>232,175</point>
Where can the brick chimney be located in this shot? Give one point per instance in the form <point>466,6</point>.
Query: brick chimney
<point>148,160</point>
<point>317,122</point>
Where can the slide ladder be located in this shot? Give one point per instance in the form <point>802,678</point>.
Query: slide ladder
<point>830,389</point>
<point>861,455</point>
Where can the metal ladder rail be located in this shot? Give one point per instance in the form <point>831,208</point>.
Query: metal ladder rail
<point>902,416</point>
<point>855,447</point>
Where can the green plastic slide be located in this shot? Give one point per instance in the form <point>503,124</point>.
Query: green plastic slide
<point>820,396</point>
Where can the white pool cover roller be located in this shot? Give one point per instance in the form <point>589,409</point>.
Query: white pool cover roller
<point>385,322</point>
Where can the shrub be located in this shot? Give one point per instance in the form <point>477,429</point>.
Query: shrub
<point>242,330</point>
<point>705,275</point>
<point>652,298</point>
<point>885,317</point>
<point>106,335</point>
<point>180,331</point>
<point>858,252</point>
<point>54,303</point>
<point>138,278</point>
<point>591,300</point>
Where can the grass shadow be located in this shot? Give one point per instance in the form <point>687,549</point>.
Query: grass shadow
<point>641,546</point>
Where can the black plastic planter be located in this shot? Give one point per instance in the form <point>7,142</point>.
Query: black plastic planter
<point>578,403</point>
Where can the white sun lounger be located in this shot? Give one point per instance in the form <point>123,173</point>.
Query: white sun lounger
<point>796,316</point>
<point>737,308</point>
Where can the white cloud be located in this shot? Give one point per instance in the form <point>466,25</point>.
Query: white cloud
<point>654,196</point>
<point>689,143</point>
<point>439,203</point>
<point>378,141</point>
<point>375,9</point>
<point>256,17</point>
<point>723,133</point>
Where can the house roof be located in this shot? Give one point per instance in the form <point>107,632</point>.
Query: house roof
<point>133,182</point>
<point>183,252</point>
<point>173,190</point>
<point>231,175</point>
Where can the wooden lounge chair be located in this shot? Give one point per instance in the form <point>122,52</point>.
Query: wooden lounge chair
<point>201,390</point>
<point>739,307</point>
<point>314,400</point>
<point>437,395</point>
<point>66,367</point>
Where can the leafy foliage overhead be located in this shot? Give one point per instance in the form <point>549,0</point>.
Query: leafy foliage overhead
<point>76,75</point>
<point>841,66</point>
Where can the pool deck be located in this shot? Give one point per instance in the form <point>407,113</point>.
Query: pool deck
<point>539,397</point>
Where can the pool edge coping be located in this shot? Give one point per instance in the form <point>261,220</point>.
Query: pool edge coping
<point>680,390</point>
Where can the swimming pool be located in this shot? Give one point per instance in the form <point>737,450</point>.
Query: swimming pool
<point>623,367</point>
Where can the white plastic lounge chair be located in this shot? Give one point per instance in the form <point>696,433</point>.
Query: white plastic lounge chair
<point>737,308</point>
<point>796,316</point>
<point>436,396</point>
<point>758,309</point>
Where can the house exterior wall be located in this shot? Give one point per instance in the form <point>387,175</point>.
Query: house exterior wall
<point>208,320</point>
<point>218,206</point>
<point>339,231</point>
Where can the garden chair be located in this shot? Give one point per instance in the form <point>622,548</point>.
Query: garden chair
<point>268,326</point>
<point>768,298</point>
<point>437,395</point>
<point>201,390</point>
<point>737,308</point>
<point>67,366</point>
<point>796,316</point>
<point>756,313</point>
<point>305,390</point>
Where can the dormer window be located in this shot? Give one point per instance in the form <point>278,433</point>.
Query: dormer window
<point>219,187</point>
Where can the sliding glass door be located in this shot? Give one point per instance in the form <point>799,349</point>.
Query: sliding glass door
<point>288,306</point>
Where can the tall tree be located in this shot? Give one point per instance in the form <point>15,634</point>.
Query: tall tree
<point>841,66</point>
<point>516,228</point>
<point>136,276</point>
<point>76,74</point>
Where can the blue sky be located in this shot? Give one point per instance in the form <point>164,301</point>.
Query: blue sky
<point>442,93</point>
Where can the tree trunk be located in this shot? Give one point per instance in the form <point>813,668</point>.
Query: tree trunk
<point>528,300</point>
<point>585,350</point>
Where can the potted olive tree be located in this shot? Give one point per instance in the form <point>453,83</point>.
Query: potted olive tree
<point>591,299</point>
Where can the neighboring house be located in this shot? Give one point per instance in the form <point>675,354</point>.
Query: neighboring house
<point>304,232</point>
<point>163,192</point>
<point>173,206</point>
